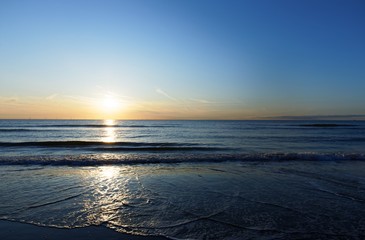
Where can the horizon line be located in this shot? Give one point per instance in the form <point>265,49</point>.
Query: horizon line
<point>276,118</point>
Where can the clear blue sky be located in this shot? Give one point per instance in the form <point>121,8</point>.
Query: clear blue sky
<point>182,59</point>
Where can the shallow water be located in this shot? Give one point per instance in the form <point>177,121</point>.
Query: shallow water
<point>247,200</point>
<point>186,179</point>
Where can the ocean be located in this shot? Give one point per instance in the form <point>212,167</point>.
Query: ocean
<point>187,179</point>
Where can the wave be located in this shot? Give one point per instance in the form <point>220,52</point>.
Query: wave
<point>69,144</point>
<point>115,146</point>
<point>158,148</point>
<point>130,159</point>
<point>19,130</point>
<point>308,139</point>
<point>326,125</point>
<point>92,126</point>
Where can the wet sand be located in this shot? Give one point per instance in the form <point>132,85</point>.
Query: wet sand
<point>232,200</point>
<point>22,231</point>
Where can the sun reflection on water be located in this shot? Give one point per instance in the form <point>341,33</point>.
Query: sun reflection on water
<point>110,135</point>
<point>109,131</point>
<point>109,122</point>
<point>108,172</point>
<point>104,201</point>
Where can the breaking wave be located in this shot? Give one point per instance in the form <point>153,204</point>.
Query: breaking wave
<point>114,146</point>
<point>130,159</point>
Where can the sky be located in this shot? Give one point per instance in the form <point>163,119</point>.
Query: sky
<point>191,59</point>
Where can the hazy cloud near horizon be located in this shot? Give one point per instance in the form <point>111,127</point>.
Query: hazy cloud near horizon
<point>320,117</point>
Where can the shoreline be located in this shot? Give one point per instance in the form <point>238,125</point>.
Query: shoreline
<point>283,200</point>
<point>12,230</point>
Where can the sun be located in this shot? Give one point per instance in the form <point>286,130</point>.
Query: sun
<point>110,104</point>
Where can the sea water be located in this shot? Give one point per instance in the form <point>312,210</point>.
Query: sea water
<point>187,179</point>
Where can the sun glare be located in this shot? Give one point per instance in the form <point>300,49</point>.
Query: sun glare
<point>110,104</point>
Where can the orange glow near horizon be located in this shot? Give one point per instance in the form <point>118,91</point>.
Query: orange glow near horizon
<point>110,106</point>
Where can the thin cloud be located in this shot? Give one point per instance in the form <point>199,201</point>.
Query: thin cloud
<point>163,93</point>
<point>9,100</point>
<point>201,101</point>
<point>318,117</point>
<point>80,99</point>
<point>51,97</point>
<point>106,92</point>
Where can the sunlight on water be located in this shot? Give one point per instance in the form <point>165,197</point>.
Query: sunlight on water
<point>193,201</point>
<point>105,196</point>
<point>153,178</point>
<point>109,131</point>
<point>110,135</point>
<point>108,172</point>
<point>109,122</point>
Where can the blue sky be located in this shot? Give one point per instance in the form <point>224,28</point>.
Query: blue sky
<point>181,59</point>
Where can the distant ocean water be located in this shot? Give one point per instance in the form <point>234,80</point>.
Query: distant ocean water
<point>101,142</point>
<point>187,179</point>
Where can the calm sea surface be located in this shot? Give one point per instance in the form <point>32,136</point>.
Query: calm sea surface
<point>182,141</point>
<point>187,179</point>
